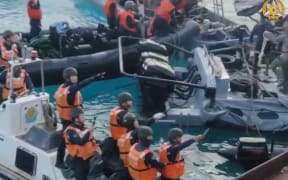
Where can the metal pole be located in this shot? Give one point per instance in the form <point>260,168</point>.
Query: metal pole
<point>42,76</point>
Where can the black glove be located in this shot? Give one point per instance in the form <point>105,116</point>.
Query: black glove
<point>99,76</point>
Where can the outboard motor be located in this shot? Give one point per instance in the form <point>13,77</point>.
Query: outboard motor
<point>254,151</point>
<point>58,35</point>
<point>154,63</point>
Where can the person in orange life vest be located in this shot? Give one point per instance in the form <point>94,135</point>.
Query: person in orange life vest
<point>22,82</point>
<point>117,125</point>
<point>128,23</point>
<point>9,48</point>
<point>142,164</point>
<point>35,14</point>
<point>170,156</point>
<point>80,144</point>
<point>111,12</point>
<point>164,20</point>
<point>67,97</point>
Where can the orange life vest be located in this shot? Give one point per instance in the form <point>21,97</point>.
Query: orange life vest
<point>63,107</point>
<point>182,4</point>
<point>19,85</point>
<point>124,145</point>
<point>34,13</point>
<point>172,170</point>
<point>137,167</point>
<point>116,130</point>
<point>84,151</point>
<point>107,6</point>
<point>123,20</point>
<point>164,10</point>
<point>6,55</point>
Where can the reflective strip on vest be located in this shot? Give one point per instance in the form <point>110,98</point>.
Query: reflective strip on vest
<point>137,167</point>
<point>116,130</point>
<point>63,107</point>
<point>84,151</point>
<point>172,170</point>
<point>19,85</point>
<point>124,145</point>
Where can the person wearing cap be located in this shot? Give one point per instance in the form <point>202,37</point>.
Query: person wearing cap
<point>128,23</point>
<point>9,48</point>
<point>68,96</point>
<point>164,20</point>
<point>169,154</point>
<point>80,144</point>
<point>22,83</point>
<point>282,61</point>
<point>142,163</point>
<point>111,12</point>
<point>35,15</point>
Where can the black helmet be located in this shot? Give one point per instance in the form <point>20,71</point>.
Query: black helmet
<point>68,72</point>
<point>75,112</point>
<point>123,97</point>
<point>174,133</point>
<point>7,34</point>
<point>143,132</point>
<point>129,119</point>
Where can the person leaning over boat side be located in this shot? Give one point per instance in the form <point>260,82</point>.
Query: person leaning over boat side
<point>9,48</point>
<point>111,12</point>
<point>80,144</point>
<point>35,14</point>
<point>128,23</point>
<point>282,60</point>
<point>67,97</point>
<point>164,20</point>
<point>169,154</point>
<point>258,30</point>
<point>22,82</point>
<point>142,164</point>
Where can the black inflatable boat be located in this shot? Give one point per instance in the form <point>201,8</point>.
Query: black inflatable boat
<point>99,57</point>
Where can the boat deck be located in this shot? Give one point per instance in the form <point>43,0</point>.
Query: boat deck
<point>279,176</point>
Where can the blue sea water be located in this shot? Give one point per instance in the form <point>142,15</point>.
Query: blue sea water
<point>100,97</point>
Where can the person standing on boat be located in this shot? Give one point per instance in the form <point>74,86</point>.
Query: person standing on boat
<point>68,96</point>
<point>22,83</point>
<point>258,30</point>
<point>164,20</point>
<point>169,154</point>
<point>9,48</point>
<point>80,144</point>
<point>35,14</point>
<point>111,12</point>
<point>142,163</point>
<point>282,60</point>
<point>128,20</point>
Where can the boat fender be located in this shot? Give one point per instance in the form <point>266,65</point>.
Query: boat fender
<point>211,113</point>
<point>49,115</point>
